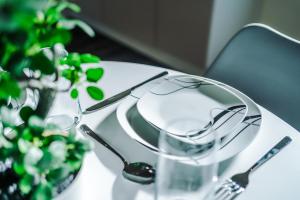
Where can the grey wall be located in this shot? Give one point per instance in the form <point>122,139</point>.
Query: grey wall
<point>174,32</point>
<point>283,15</point>
<point>187,34</point>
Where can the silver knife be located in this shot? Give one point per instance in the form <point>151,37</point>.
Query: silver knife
<point>119,96</point>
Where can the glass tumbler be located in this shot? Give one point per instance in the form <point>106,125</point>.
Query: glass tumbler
<point>65,111</point>
<point>187,163</point>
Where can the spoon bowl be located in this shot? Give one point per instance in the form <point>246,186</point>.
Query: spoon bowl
<point>139,172</point>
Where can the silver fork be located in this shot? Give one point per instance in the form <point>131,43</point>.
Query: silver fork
<point>235,185</point>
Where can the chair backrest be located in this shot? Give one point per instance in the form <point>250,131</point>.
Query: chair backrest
<point>265,65</point>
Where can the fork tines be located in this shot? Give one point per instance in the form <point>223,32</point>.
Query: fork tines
<point>229,190</point>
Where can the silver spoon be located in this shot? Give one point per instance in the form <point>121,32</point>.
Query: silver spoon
<point>138,172</point>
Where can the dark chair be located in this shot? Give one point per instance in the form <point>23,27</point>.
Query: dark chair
<point>265,65</point>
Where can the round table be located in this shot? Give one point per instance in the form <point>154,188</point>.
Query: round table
<point>101,178</point>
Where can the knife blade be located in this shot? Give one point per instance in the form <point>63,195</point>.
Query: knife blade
<point>120,95</point>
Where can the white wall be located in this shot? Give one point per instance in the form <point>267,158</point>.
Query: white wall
<point>229,16</point>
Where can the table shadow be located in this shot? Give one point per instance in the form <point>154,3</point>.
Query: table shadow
<point>110,130</point>
<point>112,133</point>
<point>126,190</point>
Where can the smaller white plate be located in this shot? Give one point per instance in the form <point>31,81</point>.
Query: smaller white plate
<point>190,97</point>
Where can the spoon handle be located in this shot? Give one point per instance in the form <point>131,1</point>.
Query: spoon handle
<point>85,129</point>
<point>272,152</point>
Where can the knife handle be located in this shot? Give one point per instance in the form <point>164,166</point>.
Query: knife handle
<point>276,149</point>
<point>150,79</point>
<point>121,95</point>
<point>107,102</point>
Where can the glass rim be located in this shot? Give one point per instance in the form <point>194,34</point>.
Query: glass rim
<point>190,148</point>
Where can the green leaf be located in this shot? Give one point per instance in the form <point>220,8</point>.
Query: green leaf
<point>26,112</point>
<point>23,146</point>
<point>57,175</point>
<point>74,93</point>
<point>46,162</point>
<point>40,62</point>
<point>43,192</point>
<point>89,58</point>
<point>26,134</point>
<point>8,51</point>
<point>12,134</point>
<point>94,74</point>
<point>72,59</point>
<point>47,140</point>
<point>18,166</point>
<point>84,145</point>
<point>71,74</point>
<point>8,117</point>
<point>72,23</point>
<point>16,64</point>
<point>8,86</point>
<point>72,6</point>
<point>75,164</point>
<point>58,151</point>
<point>54,36</point>
<point>31,158</point>
<point>95,92</point>
<point>53,157</point>
<point>36,124</point>
<point>26,184</point>
<point>52,15</point>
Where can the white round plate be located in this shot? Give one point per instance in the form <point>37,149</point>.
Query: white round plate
<point>139,128</point>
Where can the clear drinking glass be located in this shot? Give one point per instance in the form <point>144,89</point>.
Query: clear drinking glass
<point>187,164</point>
<point>65,111</point>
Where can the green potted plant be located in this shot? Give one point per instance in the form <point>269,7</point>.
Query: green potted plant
<point>32,54</point>
<point>33,35</point>
<point>38,161</point>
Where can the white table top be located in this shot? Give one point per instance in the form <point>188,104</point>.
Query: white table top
<point>101,178</point>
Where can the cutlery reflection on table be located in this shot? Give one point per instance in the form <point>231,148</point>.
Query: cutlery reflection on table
<point>138,172</point>
<point>235,185</point>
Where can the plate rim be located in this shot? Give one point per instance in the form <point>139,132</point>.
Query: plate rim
<point>131,101</point>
